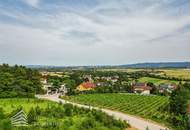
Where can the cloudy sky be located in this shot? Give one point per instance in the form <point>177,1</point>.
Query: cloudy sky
<point>94,32</point>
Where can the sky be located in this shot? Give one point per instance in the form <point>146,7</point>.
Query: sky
<point>94,32</point>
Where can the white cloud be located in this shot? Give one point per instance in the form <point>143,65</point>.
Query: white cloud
<point>33,3</point>
<point>110,33</point>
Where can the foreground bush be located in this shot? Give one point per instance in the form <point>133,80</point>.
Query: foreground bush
<point>63,117</point>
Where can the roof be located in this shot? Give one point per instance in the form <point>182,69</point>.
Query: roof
<point>88,85</point>
<point>172,86</point>
<point>142,86</point>
<point>163,85</point>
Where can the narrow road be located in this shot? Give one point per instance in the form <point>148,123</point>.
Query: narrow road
<point>138,123</point>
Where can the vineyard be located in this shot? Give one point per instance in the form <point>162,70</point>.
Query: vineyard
<point>150,107</point>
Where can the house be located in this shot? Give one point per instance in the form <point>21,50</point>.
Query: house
<point>141,88</point>
<point>62,90</point>
<point>85,86</point>
<point>167,87</point>
<point>163,88</point>
<point>103,84</point>
<point>45,84</point>
<point>172,86</point>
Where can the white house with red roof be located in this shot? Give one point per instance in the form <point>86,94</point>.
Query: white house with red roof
<point>141,88</point>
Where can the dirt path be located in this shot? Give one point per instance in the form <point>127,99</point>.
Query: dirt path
<point>139,123</point>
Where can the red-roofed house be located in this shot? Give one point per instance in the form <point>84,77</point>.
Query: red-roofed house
<point>141,88</point>
<point>86,86</point>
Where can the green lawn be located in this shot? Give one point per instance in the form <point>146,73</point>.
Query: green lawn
<point>144,106</point>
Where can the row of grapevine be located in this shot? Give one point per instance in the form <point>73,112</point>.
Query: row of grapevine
<point>140,105</point>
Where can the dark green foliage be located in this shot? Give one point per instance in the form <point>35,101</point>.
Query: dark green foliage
<point>87,124</point>
<point>2,116</point>
<point>18,81</point>
<point>68,109</point>
<point>5,124</point>
<point>64,117</point>
<point>178,107</point>
<point>38,110</point>
<point>14,112</point>
<point>32,116</point>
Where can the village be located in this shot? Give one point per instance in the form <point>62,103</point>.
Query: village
<point>89,83</point>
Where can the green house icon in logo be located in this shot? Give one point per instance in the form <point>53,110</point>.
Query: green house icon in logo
<point>19,119</point>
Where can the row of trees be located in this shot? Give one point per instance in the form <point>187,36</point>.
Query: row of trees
<point>19,81</point>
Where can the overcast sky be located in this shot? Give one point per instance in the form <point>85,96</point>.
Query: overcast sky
<point>94,32</point>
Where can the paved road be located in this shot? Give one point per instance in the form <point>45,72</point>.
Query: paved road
<point>136,122</point>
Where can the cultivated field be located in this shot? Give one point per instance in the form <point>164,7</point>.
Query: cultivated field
<point>178,73</point>
<point>156,81</point>
<point>143,106</point>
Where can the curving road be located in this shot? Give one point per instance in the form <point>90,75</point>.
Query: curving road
<point>136,122</point>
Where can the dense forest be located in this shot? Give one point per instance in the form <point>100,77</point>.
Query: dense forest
<point>19,81</point>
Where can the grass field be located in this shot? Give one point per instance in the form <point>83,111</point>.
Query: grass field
<point>156,81</point>
<point>143,106</point>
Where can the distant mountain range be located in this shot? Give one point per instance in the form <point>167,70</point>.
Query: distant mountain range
<point>158,65</point>
<point>138,65</point>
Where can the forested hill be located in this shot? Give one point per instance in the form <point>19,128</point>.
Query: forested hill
<point>18,81</point>
<point>158,65</point>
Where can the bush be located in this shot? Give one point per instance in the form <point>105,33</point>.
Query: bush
<point>32,116</point>
<point>5,124</point>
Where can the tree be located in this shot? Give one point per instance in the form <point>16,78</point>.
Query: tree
<point>71,85</point>
<point>5,124</point>
<point>19,81</point>
<point>178,106</point>
<point>2,115</point>
<point>32,116</point>
<point>154,89</point>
